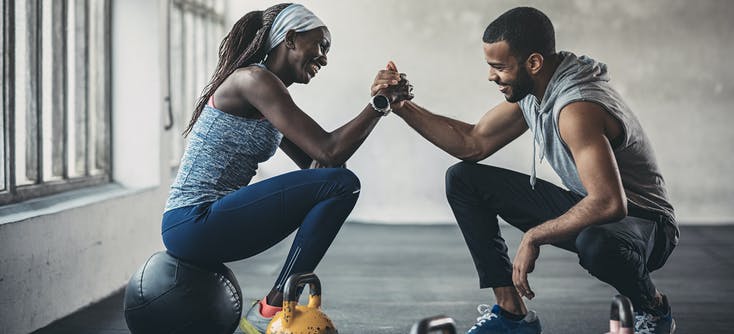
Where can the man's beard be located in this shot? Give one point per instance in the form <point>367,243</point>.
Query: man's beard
<point>521,87</point>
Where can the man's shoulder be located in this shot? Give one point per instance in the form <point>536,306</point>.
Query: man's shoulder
<point>583,109</point>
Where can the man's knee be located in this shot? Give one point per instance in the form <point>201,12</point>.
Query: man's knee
<point>462,178</point>
<point>599,251</point>
<point>456,176</point>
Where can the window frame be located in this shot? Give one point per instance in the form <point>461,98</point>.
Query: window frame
<point>12,192</point>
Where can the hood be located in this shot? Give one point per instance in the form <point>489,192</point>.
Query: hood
<point>572,72</point>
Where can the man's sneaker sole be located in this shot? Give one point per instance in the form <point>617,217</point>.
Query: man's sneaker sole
<point>672,326</point>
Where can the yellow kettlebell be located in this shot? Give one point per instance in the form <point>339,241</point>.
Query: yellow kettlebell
<point>299,319</point>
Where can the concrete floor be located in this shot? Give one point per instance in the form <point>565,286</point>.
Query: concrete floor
<point>381,279</point>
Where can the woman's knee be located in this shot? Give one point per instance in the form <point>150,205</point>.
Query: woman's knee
<point>344,178</point>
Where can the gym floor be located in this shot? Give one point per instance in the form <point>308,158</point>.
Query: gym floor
<point>381,279</point>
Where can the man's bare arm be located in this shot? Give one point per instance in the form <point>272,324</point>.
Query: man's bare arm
<point>582,128</point>
<point>296,154</point>
<point>470,142</point>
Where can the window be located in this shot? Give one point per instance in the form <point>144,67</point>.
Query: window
<point>195,29</point>
<point>55,96</point>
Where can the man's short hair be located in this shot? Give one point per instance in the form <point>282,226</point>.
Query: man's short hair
<point>526,30</point>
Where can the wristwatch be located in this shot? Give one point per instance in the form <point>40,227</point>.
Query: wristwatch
<point>381,104</point>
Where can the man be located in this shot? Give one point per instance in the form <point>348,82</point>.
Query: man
<point>615,215</point>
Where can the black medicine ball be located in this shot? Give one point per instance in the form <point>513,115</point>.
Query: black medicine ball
<point>168,295</point>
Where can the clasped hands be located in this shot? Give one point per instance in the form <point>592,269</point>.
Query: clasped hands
<point>390,83</point>
<point>394,85</point>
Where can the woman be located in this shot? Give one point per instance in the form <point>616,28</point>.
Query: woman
<point>212,215</point>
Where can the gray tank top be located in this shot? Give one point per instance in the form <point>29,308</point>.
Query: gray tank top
<point>584,79</point>
<point>221,156</point>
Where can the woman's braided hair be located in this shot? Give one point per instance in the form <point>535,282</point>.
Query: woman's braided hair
<point>242,46</point>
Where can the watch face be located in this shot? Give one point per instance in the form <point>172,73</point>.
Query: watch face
<point>381,102</point>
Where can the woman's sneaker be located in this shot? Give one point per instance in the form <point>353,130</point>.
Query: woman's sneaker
<point>646,323</point>
<point>493,322</point>
<point>253,322</point>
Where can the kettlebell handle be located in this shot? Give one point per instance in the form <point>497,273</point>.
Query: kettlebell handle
<point>440,322</point>
<point>296,281</point>
<point>292,293</point>
<point>621,317</point>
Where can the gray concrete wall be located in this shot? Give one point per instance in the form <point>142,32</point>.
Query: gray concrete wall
<point>64,252</point>
<point>669,58</point>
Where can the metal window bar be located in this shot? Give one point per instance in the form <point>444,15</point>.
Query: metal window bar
<point>53,89</point>
<point>175,82</point>
<point>100,46</point>
<point>78,88</point>
<point>29,121</point>
<point>55,97</point>
<point>3,100</point>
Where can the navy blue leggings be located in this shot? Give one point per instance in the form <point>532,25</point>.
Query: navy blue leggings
<point>620,253</point>
<point>256,217</point>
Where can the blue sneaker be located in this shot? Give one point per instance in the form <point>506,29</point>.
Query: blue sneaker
<point>646,323</point>
<point>492,322</point>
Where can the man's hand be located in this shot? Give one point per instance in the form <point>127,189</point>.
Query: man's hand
<point>394,85</point>
<point>524,264</point>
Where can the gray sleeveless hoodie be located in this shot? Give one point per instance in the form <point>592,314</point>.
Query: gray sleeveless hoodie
<point>584,79</point>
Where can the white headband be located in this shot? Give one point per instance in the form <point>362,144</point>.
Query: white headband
<point>294,17</point>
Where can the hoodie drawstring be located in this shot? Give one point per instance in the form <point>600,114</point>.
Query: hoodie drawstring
<point>537,137</point>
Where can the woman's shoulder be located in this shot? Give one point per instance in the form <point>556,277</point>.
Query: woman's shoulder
<point>254,73</point>
<point>249,90</point>
<point>254,78</point>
